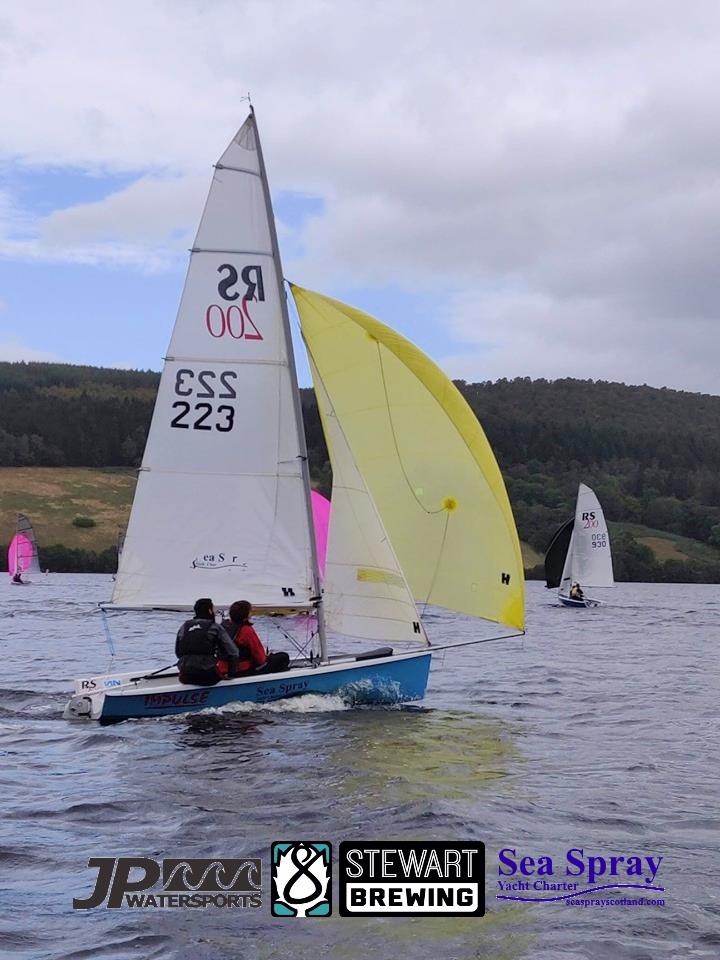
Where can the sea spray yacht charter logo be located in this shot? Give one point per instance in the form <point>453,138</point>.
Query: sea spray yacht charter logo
<point>124,881</point>
<point>301,878</point>
<point>580,879</point>
<point>410,879</point>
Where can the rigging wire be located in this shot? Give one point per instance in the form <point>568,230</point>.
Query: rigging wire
<point>469,643</point>
<point>301,648</point>
<point>108,636</point>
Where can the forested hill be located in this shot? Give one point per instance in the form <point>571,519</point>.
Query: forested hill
<point>58,415</point>
<point>652,456</point>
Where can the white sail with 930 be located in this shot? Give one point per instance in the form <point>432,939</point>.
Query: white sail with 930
<point>589,558</point>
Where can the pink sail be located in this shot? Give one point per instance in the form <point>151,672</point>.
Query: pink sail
<point>20,554</point>
<point>321,518</point>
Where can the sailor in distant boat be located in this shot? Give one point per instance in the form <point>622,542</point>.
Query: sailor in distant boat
<point>253,658</point>
<point>576,592</point>
<point>17,578</point>
<point>205,652</point>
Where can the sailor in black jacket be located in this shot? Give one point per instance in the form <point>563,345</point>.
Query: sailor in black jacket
<point>204,650</point>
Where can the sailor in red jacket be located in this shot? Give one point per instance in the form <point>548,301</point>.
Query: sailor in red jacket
<point>251,652</point>
<point>253,657</point>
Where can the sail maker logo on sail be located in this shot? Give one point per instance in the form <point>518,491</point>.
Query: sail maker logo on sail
<point>214,561</point>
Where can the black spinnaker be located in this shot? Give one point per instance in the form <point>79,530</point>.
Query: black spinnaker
<point>556,553</point>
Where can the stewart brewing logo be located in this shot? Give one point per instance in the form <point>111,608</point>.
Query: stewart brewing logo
<point>301,879</point>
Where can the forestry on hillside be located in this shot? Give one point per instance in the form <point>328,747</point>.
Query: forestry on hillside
<point>652,455</point>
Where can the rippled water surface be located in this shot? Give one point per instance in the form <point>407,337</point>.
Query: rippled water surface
<point>597,730</point>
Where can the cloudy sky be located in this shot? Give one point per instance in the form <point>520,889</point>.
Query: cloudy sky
<point>522,187</point>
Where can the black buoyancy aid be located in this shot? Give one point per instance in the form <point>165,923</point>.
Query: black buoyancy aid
<point>196,639</point>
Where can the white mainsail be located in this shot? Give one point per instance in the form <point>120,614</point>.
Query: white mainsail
<point>221,507</point>
<point>366,594</point>
<point>589,558</point>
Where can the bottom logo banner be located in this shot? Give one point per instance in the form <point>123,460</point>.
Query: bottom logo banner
<point>410,879</point>
<point>301,878</point>
<point>212,882</point>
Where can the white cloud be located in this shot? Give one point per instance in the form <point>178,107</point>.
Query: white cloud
<point>530,335</point>
<point>548,171</point>
<point>11,349</point>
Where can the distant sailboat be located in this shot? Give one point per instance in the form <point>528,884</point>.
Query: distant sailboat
<point>224,498</point>
<point>580,552</point>
<point>23,552</point>
<point>119,547</point>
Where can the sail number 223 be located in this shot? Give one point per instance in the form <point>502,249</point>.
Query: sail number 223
<point>204,385</point>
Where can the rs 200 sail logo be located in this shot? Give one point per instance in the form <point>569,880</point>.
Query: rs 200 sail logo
<point>237,290</point>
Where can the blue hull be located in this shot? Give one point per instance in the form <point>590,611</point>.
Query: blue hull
<point>569,602</point>
<point>582,604</point>
<point>392,680</point>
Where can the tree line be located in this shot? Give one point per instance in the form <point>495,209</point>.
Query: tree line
<point>652,455</point>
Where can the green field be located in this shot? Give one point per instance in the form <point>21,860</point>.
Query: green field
<point>667,546</point>
<point>53,496</point>
<point>530,555</point>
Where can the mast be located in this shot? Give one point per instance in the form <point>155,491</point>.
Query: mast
<point>296,394</point>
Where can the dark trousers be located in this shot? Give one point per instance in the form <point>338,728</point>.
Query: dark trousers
<point>275,663</point>
<point>203,678</point>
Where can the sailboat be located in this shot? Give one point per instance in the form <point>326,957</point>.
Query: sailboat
<point>23,552</point>
<point>223,505</point>
<point>580,552</point>
<point>119,547</point>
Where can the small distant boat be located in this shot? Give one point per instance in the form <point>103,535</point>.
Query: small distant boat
<point>119,548</point>
<point>580,552</point>
<point>23,552</point>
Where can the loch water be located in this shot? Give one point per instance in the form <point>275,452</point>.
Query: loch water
<point>598,730</point>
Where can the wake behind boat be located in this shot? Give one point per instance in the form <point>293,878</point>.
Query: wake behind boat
<point>579,554</point>
<point>224,496</point>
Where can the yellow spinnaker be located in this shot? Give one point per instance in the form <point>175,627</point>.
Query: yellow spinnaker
<point>424,458</point>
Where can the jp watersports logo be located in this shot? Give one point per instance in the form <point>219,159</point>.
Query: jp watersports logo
<point>123,881</point>
<point>580,879</point>
<point>301,879</point>
<point>410,879</point>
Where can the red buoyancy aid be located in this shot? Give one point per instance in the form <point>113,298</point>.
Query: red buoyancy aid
<point>251,652</point>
